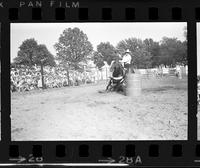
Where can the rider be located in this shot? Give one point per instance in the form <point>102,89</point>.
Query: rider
<point>126,60</point>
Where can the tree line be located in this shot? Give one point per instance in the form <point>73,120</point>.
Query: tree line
<point>145,53</point>
<point>73,50</point>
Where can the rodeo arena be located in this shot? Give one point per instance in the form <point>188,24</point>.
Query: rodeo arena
<point>157,95</point>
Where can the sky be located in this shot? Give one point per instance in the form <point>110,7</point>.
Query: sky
<point>198,48</point>
<point>49,33</point>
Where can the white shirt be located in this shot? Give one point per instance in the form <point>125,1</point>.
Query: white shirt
<point>126,59</point>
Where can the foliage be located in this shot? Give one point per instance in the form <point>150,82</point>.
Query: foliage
<point>43,57</point>
<point>148,53</point>
<point>107,52</point>
<point>154,49</point>
<point>73,48</point>
<point>26,52</point>
<point>173,51</point>
<point>140,51</point>
<point>31,53</point>
<point>98,59</point>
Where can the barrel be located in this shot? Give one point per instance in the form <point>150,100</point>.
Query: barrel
<point>134,84</point>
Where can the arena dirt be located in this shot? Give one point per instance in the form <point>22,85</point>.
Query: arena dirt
<point>82,113</point>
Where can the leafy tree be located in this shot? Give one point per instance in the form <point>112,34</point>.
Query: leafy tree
<point>154,49</point>
<point>148,53</point>
<point>43,57</point>
<point>132,44</point>
<point>141,57</point>
<point>26,52</point>
<point>73,48</point>
<point>98,59</point>
<point>31,53</point>
<point>106,52</point>
<point>173,51</point>
<point>183,50</point>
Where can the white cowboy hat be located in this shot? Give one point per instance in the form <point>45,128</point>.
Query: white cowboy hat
<point>127,51</point>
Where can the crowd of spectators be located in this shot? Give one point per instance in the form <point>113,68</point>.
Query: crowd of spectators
<point>25,78</point>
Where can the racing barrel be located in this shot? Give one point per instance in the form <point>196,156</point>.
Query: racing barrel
<point>134,84</point>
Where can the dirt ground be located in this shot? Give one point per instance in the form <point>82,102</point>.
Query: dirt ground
<point>82,113</point>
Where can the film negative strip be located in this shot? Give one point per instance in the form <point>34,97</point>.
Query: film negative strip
<point>100,83</point>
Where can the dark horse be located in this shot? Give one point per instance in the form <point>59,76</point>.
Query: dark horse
<point>118,80</point>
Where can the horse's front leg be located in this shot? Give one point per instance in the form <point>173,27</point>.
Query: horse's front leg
<point>108,85</point>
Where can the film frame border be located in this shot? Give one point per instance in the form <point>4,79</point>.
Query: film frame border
<point>92,11</point>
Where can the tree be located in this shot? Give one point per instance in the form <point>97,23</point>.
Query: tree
<point>31,53</point>
<point>141,57</point>
<point>98,59</point>
<point>26,52</point>
<point>183,49</point>
<point>173,51</point>
<point>43,57</point>
<point>73,48</point>
<point>154,49</point>
<point>106,52</point>
<point>131,43</point>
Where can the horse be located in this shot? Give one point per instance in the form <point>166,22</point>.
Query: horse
<point>117,81</point>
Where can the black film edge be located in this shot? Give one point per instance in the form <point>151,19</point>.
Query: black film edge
<point>93,152</point>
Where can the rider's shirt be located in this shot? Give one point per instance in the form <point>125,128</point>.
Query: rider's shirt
<point>126,59</point>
